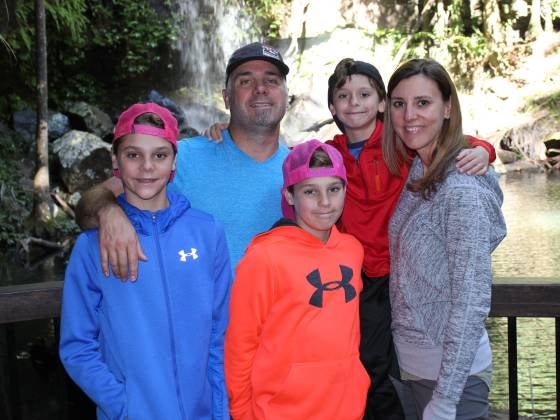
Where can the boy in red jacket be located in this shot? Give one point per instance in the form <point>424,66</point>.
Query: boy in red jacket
<point>356,98</point>
<point>292,345</point>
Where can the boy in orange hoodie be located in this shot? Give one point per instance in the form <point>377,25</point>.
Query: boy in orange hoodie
<point>292,345</point>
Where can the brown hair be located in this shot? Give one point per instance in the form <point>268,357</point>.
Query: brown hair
<point>450,140</point>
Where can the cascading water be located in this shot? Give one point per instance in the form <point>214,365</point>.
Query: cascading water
<point>211,31</point>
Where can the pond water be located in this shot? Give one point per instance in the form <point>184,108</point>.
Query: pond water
<point>532,211</point>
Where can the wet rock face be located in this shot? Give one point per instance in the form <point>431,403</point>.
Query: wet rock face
<point>25,124</point>
<point>84,160</point>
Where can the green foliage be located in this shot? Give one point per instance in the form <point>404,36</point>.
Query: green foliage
<point>466,52</point>
<point>93,46</point>
<point>392,36</point>
<point>134,42</point>
<point>549,102</point>
<point>61,227</point>
<point>267,14</point>
<point>15,200</point>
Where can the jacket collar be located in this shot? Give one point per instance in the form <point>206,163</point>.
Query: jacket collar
<point>147,222</point>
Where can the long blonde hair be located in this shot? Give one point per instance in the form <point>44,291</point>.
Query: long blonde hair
<point>450,140</point>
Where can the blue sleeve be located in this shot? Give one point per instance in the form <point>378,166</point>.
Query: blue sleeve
<point>79,349</point>
<point>220,316</point>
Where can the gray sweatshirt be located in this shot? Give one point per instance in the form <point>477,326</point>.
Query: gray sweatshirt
<point>441,277</point>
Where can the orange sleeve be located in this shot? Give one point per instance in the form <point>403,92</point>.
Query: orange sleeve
<point>252,295</point>
<point>474,142</point>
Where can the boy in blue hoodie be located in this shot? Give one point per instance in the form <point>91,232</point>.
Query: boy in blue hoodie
<point>153,348</point>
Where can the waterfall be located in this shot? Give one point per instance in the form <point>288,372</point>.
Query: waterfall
<point>210,31</point>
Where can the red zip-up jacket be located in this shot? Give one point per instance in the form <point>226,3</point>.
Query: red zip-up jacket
<point>371,196</point>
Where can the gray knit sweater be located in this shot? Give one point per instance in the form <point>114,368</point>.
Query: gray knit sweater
<point>441,273</point>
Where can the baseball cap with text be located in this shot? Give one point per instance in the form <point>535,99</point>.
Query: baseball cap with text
<point>256,51</point>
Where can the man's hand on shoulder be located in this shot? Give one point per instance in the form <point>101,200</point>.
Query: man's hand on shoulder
<point>118,244</point>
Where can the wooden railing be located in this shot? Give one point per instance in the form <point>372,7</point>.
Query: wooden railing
<point>511,298</point>
<point>526,298</point>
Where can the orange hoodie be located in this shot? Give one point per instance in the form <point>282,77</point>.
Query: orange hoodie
<point>291,349</point>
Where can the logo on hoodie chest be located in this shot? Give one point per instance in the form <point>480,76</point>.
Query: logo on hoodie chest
<point>314,278</point>
<point>186,255</point>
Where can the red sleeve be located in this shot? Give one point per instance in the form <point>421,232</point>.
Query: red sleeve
<point>483,143</point>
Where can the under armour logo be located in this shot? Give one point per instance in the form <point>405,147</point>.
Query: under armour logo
<point>184,255</point>
<point>315,279</point>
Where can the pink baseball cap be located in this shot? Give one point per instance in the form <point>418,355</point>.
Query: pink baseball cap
<point>296,168</point>
<point>125,124</point>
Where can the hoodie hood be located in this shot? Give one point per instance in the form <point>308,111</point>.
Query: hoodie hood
<point>288,230</point>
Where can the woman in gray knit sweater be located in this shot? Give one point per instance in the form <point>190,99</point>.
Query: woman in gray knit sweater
<point>443,230</point>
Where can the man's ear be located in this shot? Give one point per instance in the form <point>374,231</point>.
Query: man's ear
<point>289,197</point>
<point>225,95</point>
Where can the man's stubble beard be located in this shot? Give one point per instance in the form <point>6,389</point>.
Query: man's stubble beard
<point>263,118</point>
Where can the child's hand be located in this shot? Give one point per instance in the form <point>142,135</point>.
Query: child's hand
<point>214,132</point>
<point>473,161</point>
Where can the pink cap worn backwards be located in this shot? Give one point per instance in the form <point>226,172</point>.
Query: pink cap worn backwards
<point>125,125</point>
<point>296,168</point>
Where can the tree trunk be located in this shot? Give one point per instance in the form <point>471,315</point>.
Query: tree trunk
<point>535,28</point>
<point>41,184</point>
<point>493,30</point>
<point>547,16</point>
<point>467,18</point>
<point>441,20</point>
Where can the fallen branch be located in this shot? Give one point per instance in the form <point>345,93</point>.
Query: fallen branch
<point>318,125</point>
<point>63,205</point>
<point>28,242</point>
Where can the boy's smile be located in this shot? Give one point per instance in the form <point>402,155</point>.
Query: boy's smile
<point>145,163</point>
<point>318,203</point>
<point>356,105</point>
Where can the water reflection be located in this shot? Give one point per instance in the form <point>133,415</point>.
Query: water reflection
<point>47,269</point>
<point>532,211</point>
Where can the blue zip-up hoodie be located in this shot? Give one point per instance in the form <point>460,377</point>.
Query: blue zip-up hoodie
<point>151,349</point>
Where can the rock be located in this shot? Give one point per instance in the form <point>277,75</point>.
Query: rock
<point>188,132</point>
<point>86,117</point>
<point>506,156</point>
<point>85,160</point>
<point>25,123</point>
<point>155,96</point>
<point>59,125</point>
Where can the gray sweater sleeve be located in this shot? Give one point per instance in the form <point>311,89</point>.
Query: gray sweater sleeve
<point>471,219</point>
